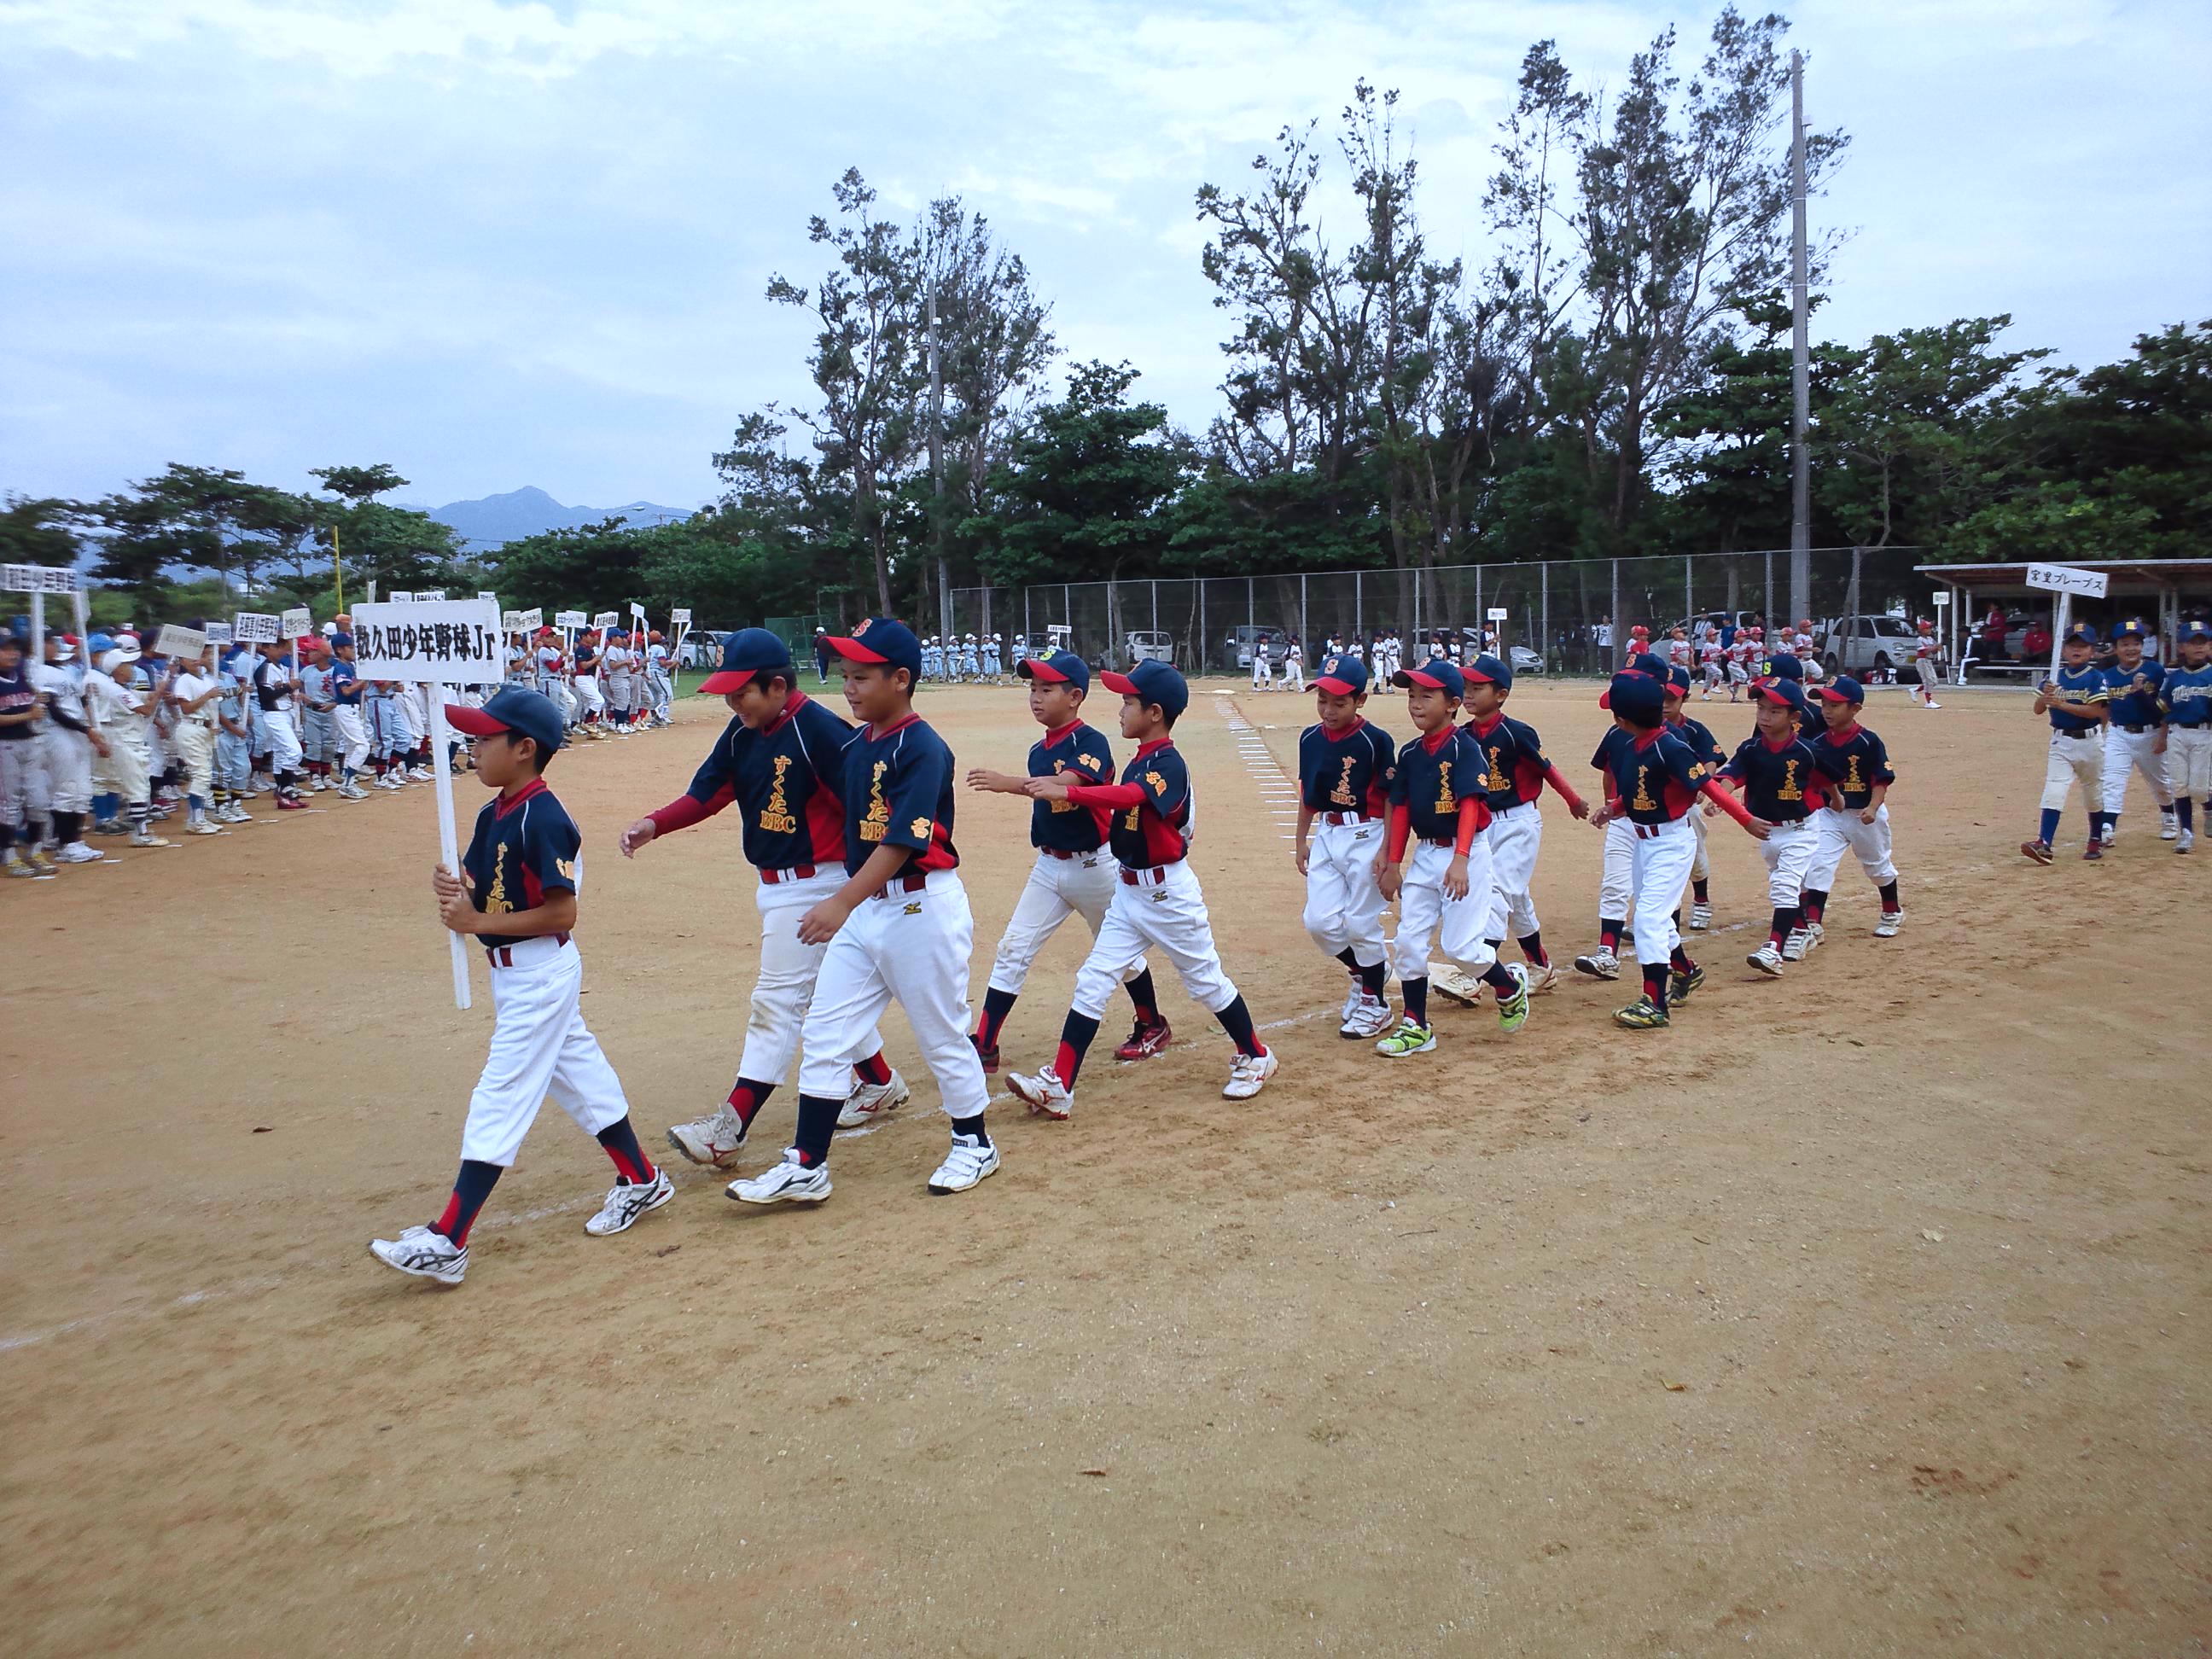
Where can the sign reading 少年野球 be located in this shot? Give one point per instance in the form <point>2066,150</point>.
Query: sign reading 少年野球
<point>443,641</point>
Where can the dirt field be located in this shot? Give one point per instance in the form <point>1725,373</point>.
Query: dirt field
<point>1864,1313</point>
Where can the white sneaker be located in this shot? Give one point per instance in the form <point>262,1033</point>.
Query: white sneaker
<point>1701,917</point>
<point>970,1161</point>
<point>1600,963</point>
<point>146,838</point>
<point>76,852</point>
<point>1815,932</point>
<point>316,785</point>
<point>422,1253</point>
<point>713,1140</point>
<point>1370,1017</point>
<point>1931,703</point>
<point>787,1182</point>
<point>627,1201</point>
<point>2169,828</point>
<point>2188,840</point>
<point>422,775</point>
<point>239,814</point>
<point>201,827</point>
<point>389,782</point>
<point>870,1101</point>
<point>1794,947</point>
<point>1042,1092</point>
<point>352,791</point>
<point>1543,979</point>
<point>1448,979</point>
<point>1892,923</point>
<point>1248,1074</point>
<point>1767,960</point>
<point>1352,1000</point>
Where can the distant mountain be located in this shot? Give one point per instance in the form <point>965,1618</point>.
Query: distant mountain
<point>530,511</point>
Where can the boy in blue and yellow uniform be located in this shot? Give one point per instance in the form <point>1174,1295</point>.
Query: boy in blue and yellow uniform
<point>2075,700</point>
<point>2135,730</point>
<point>2185,695</point>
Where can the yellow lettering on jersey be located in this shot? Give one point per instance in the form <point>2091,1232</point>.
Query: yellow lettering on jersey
<point>1159,784</point>
<point>1058,766</point>
<point>1342,794</point>
<point>1497,780</point>
<point>877,821</point>
<point>566,866</point>
<point>1852,781</point>
<point>496,902</point>
<point>1790,789</point>
<point>919,829</point>
<point>1129,818</point>
<point>1444,801</point>
<point>1643,801</point>
<point>776,814</point>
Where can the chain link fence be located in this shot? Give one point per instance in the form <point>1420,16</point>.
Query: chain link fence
<point>1573,614</point>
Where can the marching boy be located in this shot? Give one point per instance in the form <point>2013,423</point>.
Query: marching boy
<point>1781,781</point>
<point>1157,902</point>
<point>1707,747</point>
<point>2135,733</point>
<point>1439,800</point>
<point>779,762</point>
<point>1346,766</point>
<point>2185,695</point>
<point>899,928</point>
<point>517,892</point>
<point>1074,871</point>
<point>2075,700</point>
<point>1855,766</point>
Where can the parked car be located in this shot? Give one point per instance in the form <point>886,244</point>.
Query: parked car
<point>1150,646</point>
<point>1237,646</point>
<point>1523,661</point>
<point>700,649</point>
<point>1863,645</point>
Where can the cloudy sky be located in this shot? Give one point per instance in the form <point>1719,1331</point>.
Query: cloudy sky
<point>503,244</point>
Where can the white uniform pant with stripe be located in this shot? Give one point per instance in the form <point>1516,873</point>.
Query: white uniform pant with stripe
<point>540,1046</point>
<point>2075,759</point>
<point>1344,902</point>
<point>911,948</point>
<point>22,780</point>
<point>788,973</point>
<point>353,736</point>
<point>68,756</point>
<point>2126,751</point>
<point>1056,889</point>
<point>1662,856</point>
<point>1456,925</point>
<point>1515,836</point>
<point>2189,760</point>
<point>1839,832</point>
<point>125,769</point>
<point>1789,850</point>
<point>1167,916</point>
<point>284,740</point>
<point>195,741</point>
<point>1616,889</point>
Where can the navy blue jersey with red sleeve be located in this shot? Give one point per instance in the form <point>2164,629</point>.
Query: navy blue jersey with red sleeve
<point>525,847</point>
<point>1512,761</point>
<point>1655,774</point>
<point>1854,761</point>
<point>1157,830</point>
<point>1080,750</point>
<point>899,793</point>
<point>1434,774</point>
<point>787,780</point>
<point>1346,771</point>
<point>1777,777</point>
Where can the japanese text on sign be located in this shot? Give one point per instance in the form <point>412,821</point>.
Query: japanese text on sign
<point>297,622</point>
<point>449,641</point>
<point>2069,579</point>
<point>255,627</point>
<point>175,642</point>
<point>37,578</point>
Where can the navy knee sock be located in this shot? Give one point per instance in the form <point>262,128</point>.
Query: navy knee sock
<point>1074,1043</point>
<point>997,1004</point>
<point>818,1123</point>
<point>1236,1020</point>
<point>471,1187</point>
<point>631,1162</point>
<point>1416,993</point>
<point>1144,999</point>
<point>748,1097</point>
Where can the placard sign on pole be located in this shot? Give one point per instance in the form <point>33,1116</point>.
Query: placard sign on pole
<point>37,580</point>
<point>398,598</point>
<point>510,622</point>
<point>189,643</point>
<point>2066,580</point>
<point>569,619</point>
<point>1497,613</point>
<point>217,633</point>
<point>679,620</point>
<point>681,616</point>
<point>530,621</point>
<point>494,598</point>
<point>255,627</point>
<point>442,643</point>
<point>605,619</point>
<point>294,623</point>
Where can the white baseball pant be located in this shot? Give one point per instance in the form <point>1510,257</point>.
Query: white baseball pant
<point>194,741</point>
<point>68,756</point>
<point>540,1046</point>
<point>1456,925</point>
<point>1926,670</point>
<point>1663,854</point>
<point>1344,902</point>
<point>912,948</point>
<point>1616,888</point>
<point>318,734</point>
<point>284,740</point>
<point>589,699</point>
<point>1788,849</point>
<point>1294,675</point>
<point>22,780</point>
<point>353,736</point>
<point>1164,911</point>
<point>2189,760</point>
<point>1701,866</point>
<point>2070,759</point>
<point>1263,671</point>
<point>125,769</point>
<point>1514,836</point>
<point>789,971</point>
<point>1840,829</point>
<point>1056,889</point>
<point>2137,751</point>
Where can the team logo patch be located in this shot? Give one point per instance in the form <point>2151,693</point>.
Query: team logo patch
<point>913,909</point>
<point>919,827</point>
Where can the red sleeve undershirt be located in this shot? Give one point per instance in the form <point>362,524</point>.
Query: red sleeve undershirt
<point>1567,791</point>
<point>1114,797</point>
<point>687,810</point>
<point>1712,789</point>
<point>1402,831</point>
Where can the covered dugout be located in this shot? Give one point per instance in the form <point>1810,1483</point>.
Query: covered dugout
<point>2168,589</point>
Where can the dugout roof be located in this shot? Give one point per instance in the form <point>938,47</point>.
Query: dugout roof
<point>2143,576</point>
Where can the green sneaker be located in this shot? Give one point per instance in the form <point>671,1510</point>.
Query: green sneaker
<point>1679,986</point>
<point>1513,1010</point>
<point>1407,1039</point>
<point>1641,1014</point>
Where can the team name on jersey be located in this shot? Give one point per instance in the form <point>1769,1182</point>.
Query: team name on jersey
<point>877,821</point>
<point>775,812</point>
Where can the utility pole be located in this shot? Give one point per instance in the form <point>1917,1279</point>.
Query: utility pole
<point>937,476</point>
<point>1800,471</point>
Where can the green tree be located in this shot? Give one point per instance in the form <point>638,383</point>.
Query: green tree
<point>40,531</point>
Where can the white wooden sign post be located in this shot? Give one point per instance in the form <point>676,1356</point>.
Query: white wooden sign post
<point>2066,580</point>
<point>438,643</point>
<point>680,620</point>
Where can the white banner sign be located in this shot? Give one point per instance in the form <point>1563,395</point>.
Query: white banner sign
<point>37,578</point>
<point>569,619</point>
<point>530,621</point>
<point>432,596</point>
<point>2069,579</point>
<point>255,627</point>
<point>1497,613</point>
<point>607,619</point>
<point>296,622</point>
<point>175,642</point>
<point>510,622</point>
<point>218,633</point>
<point>680,618</point>
<point>636,610</point>
<point>1942,597</point>
<point>447,641</point>
<point>494,598</point>
<point>400,598</point>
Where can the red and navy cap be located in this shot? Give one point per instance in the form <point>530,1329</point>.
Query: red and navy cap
<point>880,639</point>
<point>1344,675</point>
<point>511,708</point>
<point>1643,666</point>
<point>1842,689</point>
<point>1487,670</point>
<point>1678,681</point>
<point>748,651</point>
<point>1634,695</point>
<point>1056,668</point>
<point>1151,681</point>
<point>1436,672</point>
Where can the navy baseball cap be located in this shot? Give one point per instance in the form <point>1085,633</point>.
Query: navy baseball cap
<point>1434,672</point>
<point>2195,630</point>
<point>1790,694</point>
<point>1058,668</point>
<point>1342,677</point>
<point>1646,662</point>
<point>1842,689</point>
<point>2133,625</point>
<point>1151,681</point>
<point>1677,680</point>
<point>511,708</point>
<point>341,641</point>
<point>1487,670</point>
<point>883,639</point>
<point>748,651</point>
<point>1633,694</point>
<point>1783,666</point>
<point>2081,634</point>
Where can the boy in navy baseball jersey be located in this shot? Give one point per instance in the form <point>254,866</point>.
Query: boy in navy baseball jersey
<point>1781,781</point>
<point>1157,902</point>
<point>780,760</point>
<point>1616,892</point>
<point>1438,806</point>
<point>1652,778</point>
<point>899,927</point>
<point>2185,693</point>
<point>2135,730</point>
<point>517,893</point>
<point>2075,700</point>
<point>1346,765</point>
<point>1854,764</point>
<point>1707,748</point>
<point>1074,871</point>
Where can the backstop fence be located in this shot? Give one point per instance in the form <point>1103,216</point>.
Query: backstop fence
<point>1573,613</point>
